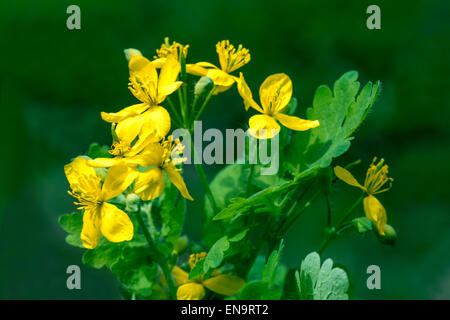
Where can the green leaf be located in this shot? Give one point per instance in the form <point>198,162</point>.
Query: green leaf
<point>136,271</point>
<point>106,253</point>
<point>72,223</point>
<point>363,224</point>
<point>321,282</point>
<point>309,272</point>
<point>259,290</point>
<point>238,237</point>
<point>271,267</point>
<point>197,271</point>
<point>340,112</point>
<point>172,214</point>
<point>229,183</point>
<point>215,255</point>
<point>291,108</point>
<point>98,151</point>
<point>262,198</point>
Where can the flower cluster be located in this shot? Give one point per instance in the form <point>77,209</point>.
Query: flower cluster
<point>144,166</point>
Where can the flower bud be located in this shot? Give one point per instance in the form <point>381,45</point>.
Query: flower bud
<point>180,245</point>
<point>130,53</point>
<point>390,236</point>
<point>203,85</point>
<point>132,202</point>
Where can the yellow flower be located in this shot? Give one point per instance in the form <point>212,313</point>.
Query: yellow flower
<point>224,284</point>
<point>274,94</point>
<point>230,60</point>
<point>175,49</point>
<point>126,147</point>
<point>100,216</point>
<point>376,178</point>
<point>151,89</point>
<point>150,184</point>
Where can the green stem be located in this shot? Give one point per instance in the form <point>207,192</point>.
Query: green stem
<point>157,256</point>
<point>328,211</point>
<point>205,103</point>
<point>183,107</point>
<point>202,176</point>
<point>194,106</point>
<point>250,178</point>
<point>185,99</point>
<point>332,232</point>
<point>289,222</point>
<point>174,111</point>
<point>349,211</point>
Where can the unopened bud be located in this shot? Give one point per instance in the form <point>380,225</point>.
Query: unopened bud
<point>390,236</point>
<point>180,245</point>
<point>203,85</point>
<point>130,53</point>
<point>132,202</point>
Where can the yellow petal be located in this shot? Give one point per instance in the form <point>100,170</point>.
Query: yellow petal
<point>139,65</point>
<point>117,181</point>
<point>147,136</point>
<point>190,291</point>
<point>196,70</point>
<point>275,92</point>
<point>116,226</point>
<point>225,284</point>
<point>156,120</point>
<point>152,155</point>
<point>167,90</point>
<point>81,176</point>
<point>178,181</point>
<point>179,276</point>
<point>143,78</point>
<point>263,126</point>
<point>149,184</point>
<point>246,94</point>
<point>128,129</point>
<point>220,78</point>
<point>375,212</point>
<point>104,162</point>
<point>296,123</point>
<point>130,111</point>
<point>205,64</point>
<point>347,177</point>
<point>90,234</point>
<point>168,76</point>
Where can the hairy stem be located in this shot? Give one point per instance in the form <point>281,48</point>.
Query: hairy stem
<point>158,256</point>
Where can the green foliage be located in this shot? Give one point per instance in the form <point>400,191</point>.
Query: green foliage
<point>315,282</point>
<point>251,209</point>
<point>271,267</point>
<point>136,270</point>
<point>362,224</point>
<point>98,151</point>
<point>72,223</point>
<point>172,214</point>
<point>216,254</point>
<point>268,281</point>
<point>339,112</point>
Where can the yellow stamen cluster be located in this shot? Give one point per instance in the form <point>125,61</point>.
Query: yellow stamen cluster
<point>376,177</point>
<point>141,86</point>
<point>172,150</point>
<point>174,49</point>
<point>89,196</point>
<point>196,257</point>
<point>119,148</point>
<point>231,58</point>
<point>85,200</point>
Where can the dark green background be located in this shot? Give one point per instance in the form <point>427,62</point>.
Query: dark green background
<point>54,83</point>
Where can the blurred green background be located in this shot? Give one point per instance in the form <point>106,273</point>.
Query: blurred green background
<point>54,82</point>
